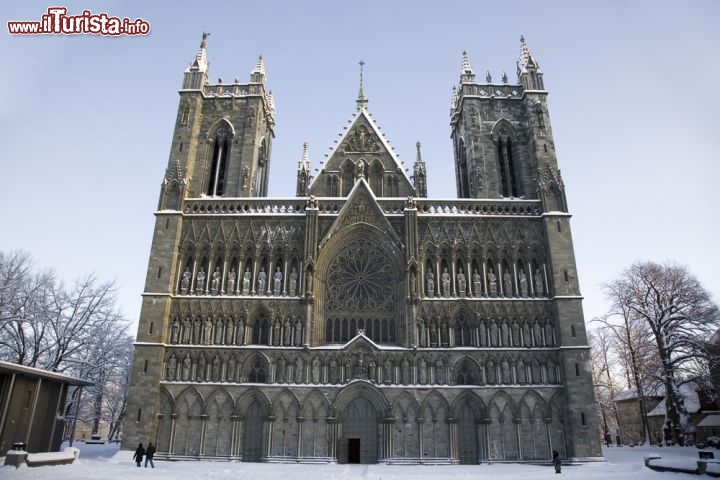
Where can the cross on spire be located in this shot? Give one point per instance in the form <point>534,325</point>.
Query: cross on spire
<point>361,100</point>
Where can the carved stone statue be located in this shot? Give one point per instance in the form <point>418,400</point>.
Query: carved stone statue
<point>430,283</point>
<point>187,330</point>
<point>493,334</point>
<point>537,333</point>
<point>523,283</point>
<point>200,282</point>
<point>187,367</point>
<point>175,331</point>
<point>446,283</point>
<point>185,282</point>
<point>231,282</point>
<point>171,368</point>
<point>229,332</point>
<point>262,277</point>
<point>461,283</point>
<point>315,370</point>
<point>422,333</point>
<point>505,367</point>
<point>196,331</point>
<point>207,337</point>
<point>492,283</point>
<point>246,282</point>
<point>218,331</point>
<point>387,371</point>
<point>477,283</point>
<point>215,375</point>
<point>287,333</point>
<point>240,338</point>
<point>276,333</point>
<point>216,276</point>
<point>422,371</point>
<point>539,287</point>
<point>277,282</point>
<point>507,284</point>
<point>298,370</point>
<point>293,283</point>
<point>298,332</point>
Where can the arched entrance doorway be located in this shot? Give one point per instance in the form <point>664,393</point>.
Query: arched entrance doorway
<point>253,436</point>
<point>359,441</point>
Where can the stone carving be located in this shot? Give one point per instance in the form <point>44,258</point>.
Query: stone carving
<point>461,283</point>
<point>293,283</point>
<point>218,331</point>
<point>229,332</point>
<point>477,283</point>
<point>287,332</point>
<point>445,278</point>
<point>539,287</point>
<point>507,284</point>
<point>298,370</point>
<point>215,284</point>
<point>277,282</point>
<point>361,141</point>
<point>492,283</point>
<point>360,278</point>
<point>262,276</point>
<point>200,282</point>
<point>187,368</point>
<point>171,368</point>
<point>523,283</point>
<point>187,330</point>
<point>185,282</point>
<point>422,371</point>
<point>298,332</point>
<point>175,331</point>
<point>207,336</point>
<point>246,282</point>
<point>430,284</point>
<point>316,370</point>
<point>231,282</point>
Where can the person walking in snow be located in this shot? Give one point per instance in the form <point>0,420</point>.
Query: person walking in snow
<point>149,452</point>
<point>139,455</point>
<point>556,461</point>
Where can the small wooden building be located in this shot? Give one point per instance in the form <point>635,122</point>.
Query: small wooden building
<point>31,407</point>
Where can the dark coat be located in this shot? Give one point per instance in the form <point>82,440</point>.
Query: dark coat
<point>139,454</point>
<point>150,451</point>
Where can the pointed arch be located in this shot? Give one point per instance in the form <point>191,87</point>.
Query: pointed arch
<point>508,166</point>
<point>220,137</point>
<point>376,174</point>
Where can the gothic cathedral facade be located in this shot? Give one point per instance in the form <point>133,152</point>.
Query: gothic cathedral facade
<point>360,321</point>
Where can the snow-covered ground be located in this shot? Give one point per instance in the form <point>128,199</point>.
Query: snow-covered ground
<point>106,462</point>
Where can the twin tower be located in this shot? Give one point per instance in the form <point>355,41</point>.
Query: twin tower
<point>360,321</point>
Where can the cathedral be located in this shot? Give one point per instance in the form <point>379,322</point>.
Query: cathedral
<point>360,321</point>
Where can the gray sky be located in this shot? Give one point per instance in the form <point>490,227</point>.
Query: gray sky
<point>86,121</point>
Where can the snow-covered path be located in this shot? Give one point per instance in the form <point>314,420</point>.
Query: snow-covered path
<point>107,463</point>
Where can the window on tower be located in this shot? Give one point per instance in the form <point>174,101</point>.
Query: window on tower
<point>220,154</point>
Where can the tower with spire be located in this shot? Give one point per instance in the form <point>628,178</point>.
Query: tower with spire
<point>360,320</point>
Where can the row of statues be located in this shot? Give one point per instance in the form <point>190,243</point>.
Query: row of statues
<point>263,285</point>
<point>435,333</point>
<point>477,287</point>
<point>508,370</point>
<point>197,332</point>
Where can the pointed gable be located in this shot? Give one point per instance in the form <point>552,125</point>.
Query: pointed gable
<point>362,207</point>
<point>362,149</point>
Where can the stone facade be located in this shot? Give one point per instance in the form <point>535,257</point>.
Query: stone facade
<point>360,321</point>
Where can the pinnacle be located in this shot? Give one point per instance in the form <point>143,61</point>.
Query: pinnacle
<point>260,66</point>
<point>466,67</point>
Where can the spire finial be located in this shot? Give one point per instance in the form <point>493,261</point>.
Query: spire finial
<point>203,43</point>
<point>419,155</point>
<point>259,66</point>
<point>466,67</point>
<point>304,163</point>
<point>361,100</point>
<point>526,59</point>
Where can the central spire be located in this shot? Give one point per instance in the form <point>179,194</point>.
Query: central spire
<point>361,100</point>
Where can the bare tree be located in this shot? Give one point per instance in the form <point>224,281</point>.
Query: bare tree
<point>676,315</point>
<point>78,331</point>
<point>604,376</point>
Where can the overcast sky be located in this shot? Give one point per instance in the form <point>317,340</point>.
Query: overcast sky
<point>86,120</point>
